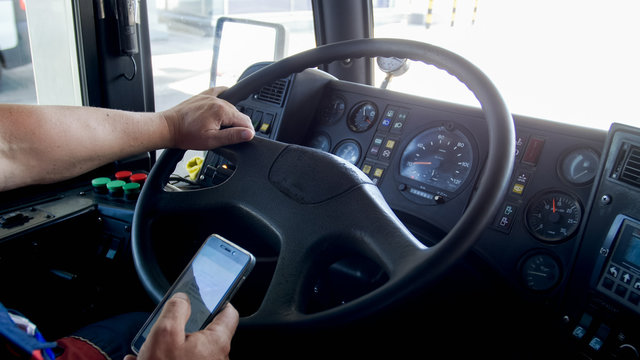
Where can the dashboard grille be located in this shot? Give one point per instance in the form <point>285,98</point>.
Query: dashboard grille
<point>275,92</point>
<point>630,173</point>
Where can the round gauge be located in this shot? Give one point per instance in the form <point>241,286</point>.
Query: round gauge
<point>439,157</point>
<point>320,141</point>
<point>553,216</point>
<point>362,117</point>
<point>392,65</point>
<point>332,109</point>
<point>579,167</point>
<point>540,272</point>
<point>348,150</point>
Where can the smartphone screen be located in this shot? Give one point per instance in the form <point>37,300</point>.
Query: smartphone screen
<point>210,279</point>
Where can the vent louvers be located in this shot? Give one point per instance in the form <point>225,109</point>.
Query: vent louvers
<point>275,92</point>
<point>630,173</point>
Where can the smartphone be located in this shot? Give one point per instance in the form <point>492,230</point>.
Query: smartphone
<point>212,277</point>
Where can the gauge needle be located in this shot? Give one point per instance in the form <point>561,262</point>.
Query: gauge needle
<point>422,162</point>
<point>554,205</point>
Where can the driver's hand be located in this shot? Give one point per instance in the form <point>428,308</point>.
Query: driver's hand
<point>205,122</point>
<point>167,339</point>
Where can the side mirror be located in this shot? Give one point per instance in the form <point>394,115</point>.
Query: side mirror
<point>239,43</point>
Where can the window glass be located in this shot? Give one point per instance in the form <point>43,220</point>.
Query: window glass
<point>182,31</point>
<point>16,70</point>
<point>573,61</point>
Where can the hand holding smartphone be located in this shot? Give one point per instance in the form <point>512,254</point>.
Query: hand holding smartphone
<point>210,280</point>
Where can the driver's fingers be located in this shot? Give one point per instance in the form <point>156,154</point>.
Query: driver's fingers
<point>173,319</point>
<point>224,324</point>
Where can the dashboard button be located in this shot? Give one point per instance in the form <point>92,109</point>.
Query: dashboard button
<point>607,283</point>
<point>620,290</point>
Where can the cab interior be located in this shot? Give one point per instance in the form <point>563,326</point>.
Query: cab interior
<point>385,222</point>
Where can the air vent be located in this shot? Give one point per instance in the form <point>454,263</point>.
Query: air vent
<point>274,93</point>
<point>628,167</point>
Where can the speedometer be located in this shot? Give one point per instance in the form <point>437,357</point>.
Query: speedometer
<point>441,157</point>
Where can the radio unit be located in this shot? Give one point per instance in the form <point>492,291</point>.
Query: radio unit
<point>620,277</point>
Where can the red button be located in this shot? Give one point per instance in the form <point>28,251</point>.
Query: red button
<point>138,178</point>
<point>123,175</point>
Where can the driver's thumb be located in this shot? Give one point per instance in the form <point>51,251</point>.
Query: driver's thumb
<point>232,135</point>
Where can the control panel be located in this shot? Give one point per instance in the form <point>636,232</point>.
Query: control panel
<point>620,277</point>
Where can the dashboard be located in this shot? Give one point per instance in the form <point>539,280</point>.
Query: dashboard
<point>567,235</point>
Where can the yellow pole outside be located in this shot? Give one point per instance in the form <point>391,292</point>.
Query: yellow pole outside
<point>453,13</point>
<point>430,14</point>
<point>475,12</point>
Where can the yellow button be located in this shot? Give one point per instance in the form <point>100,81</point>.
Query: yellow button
<point>378,172</point>
<point>264,128</point>
<point>518,188</point>
<point>366,169</point>
<point>390,144</point>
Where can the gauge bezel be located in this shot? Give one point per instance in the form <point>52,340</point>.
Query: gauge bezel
<point>326,116</point>
<point>540,252</point>
<point>536,199</point>
<point>317,134</point>
<point>348,141</point>
<point>439,191</point>
<point>566,177</point>
<point>353,112</point>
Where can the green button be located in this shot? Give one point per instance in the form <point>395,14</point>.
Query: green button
<point>131,188</point>
<point>100,182</point>
<point>115,185</point>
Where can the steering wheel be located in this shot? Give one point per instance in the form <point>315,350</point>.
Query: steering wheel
<point>330,209</point>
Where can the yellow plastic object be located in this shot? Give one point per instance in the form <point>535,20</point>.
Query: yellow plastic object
<point>193,166</point>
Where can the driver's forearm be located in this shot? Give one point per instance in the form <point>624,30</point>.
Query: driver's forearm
<point>45,144</point>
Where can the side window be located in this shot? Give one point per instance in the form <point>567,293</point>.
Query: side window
<point>182,32</point>
<point>16,71</point>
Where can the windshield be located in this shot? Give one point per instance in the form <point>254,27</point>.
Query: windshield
<point>572,61</point>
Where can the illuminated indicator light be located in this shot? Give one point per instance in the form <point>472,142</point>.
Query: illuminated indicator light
<point>378,172</point>
<point>518,189</point>
<point>366,169</point>
<point>264,128</point>
<point>224,166</point>
<point>390,144</point>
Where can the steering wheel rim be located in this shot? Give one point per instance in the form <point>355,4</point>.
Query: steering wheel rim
<point>410,265</point>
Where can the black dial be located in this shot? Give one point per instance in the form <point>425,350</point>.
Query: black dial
<point>362,117</point>
<point>540,272</point>
<point>553,216</point>
<point>332,109</point>
<point>438,157</point>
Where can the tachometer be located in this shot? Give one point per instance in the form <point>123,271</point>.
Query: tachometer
<point>553,216</point>
<point>441,157</point>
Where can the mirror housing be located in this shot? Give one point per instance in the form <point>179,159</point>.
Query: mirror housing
<point>254,41</point>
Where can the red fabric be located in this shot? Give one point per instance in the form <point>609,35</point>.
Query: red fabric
<point>79,349</point>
